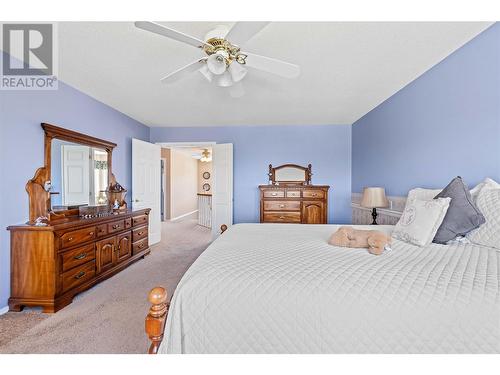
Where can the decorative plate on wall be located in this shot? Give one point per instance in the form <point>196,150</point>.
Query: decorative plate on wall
<point>206,175</point>
<point>206,187</point>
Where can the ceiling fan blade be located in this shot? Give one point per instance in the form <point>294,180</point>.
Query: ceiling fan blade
<point>244,31</point>
<point>184,71</point>
<point>170,33</point>
<point>270,65</point>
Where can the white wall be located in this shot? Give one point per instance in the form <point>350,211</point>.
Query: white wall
<point>183,183</point>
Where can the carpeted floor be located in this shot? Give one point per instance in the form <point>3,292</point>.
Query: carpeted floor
<point>108,318</point>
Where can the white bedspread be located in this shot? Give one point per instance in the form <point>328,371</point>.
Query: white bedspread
<point>279,288</point>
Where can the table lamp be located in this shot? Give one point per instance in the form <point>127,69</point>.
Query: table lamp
<point>374,197</point>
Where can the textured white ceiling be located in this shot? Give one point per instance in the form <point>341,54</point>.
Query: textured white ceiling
<point>347,69</point>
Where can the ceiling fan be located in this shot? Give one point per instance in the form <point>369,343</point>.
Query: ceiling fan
<point>224,64</point>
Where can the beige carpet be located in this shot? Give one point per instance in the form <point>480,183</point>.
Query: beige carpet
<point>109,318</point>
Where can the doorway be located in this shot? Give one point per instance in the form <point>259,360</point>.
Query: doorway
<point>198,183</point>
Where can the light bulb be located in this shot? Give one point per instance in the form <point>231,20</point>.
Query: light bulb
<point>206,73</point>
<point>216,64</point>
<point>237,71</point>
<point>224,80</point>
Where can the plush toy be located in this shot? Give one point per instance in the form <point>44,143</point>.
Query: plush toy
<point>376,242</point>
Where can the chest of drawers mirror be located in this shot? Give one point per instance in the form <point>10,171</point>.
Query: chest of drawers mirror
<point>291,198</point>
<point>64,250</point>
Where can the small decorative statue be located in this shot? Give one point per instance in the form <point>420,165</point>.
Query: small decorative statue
<point>116,195</point>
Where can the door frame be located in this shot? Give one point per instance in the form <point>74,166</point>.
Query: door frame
<point>207,144</point>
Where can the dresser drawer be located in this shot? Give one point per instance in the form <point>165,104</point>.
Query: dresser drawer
<point>293,194</point>
<point>281,205</point>
<point>78,256</point>
<point>139,234</point>
<point>282,217</point>
<point>139,246</point>
<point>274,193</point>
<point>313,194</point>
<point>102,230</point>
<point>139,220</point>
<point>116,226</point>
<point>77,236</point>
<point>78,275</point>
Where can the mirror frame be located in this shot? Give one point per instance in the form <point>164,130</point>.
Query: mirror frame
<point>40,202</point>
<point>307,170</point>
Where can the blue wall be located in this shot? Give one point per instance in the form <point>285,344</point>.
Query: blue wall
<point>21,148</point>
<point>443,124</point>
<point>327,148</point>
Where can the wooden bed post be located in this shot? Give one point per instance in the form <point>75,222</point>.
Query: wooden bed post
<point>155,321</point>
<point>157,316</point>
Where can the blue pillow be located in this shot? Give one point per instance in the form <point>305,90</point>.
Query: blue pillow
<point>462,215</point>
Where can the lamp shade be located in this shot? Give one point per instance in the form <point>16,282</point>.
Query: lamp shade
<point>374,197</point>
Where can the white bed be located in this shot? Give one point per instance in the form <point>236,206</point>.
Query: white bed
<point>280,288</point>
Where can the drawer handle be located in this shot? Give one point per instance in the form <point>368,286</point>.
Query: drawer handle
<point>80,275</point>
<point>282,206</point>
<point>91,234</point>
<point>314,194</point>
<point>116,226</point>
<point>101,230</point>
<point>70,239</point>
<point>80,256</point>
<point>274,194</point>
<point>141,246</point>
<point>282,218</point>
<point>140,233</point>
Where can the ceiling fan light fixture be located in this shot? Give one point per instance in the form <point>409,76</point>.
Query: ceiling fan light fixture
<point>206,73</point>
<point>237,72</point>
<point>206,156</point>
<point>216,64</point>
<point>225,80</point>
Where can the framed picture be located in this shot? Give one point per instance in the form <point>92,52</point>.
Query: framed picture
<point>206,175</point>
<point>206,187</point>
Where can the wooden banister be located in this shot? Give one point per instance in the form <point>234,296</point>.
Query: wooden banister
<point>157,316</point>
<point>223,228</point>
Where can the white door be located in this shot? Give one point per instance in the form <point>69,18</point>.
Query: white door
<point>146,174</point>
<point>75,175</point>
<point>222,199</point>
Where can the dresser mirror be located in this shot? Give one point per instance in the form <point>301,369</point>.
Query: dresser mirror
<point>77,170</point>
<point>78,175</point>
<point>290,174</point>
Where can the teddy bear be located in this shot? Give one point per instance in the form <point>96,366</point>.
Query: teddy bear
<point>376,242</point>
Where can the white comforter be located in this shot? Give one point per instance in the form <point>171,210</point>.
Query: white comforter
<point>279,288</point>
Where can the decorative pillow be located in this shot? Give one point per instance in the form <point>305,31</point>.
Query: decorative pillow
<point>462,215</point>
<point>423,194</point>
<point>488,234</point>
<point>487,184</point>
<point>420,220</point>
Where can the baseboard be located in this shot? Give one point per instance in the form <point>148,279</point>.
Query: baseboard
<point>182,216</point>
<point>4,309</point>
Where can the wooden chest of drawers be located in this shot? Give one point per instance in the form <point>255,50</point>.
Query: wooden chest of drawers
<point>306,204</point>
<point>51,264</point>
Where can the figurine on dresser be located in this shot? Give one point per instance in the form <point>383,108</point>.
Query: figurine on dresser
<point>290,197</point>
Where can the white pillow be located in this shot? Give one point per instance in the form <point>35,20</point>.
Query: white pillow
<point>488,234</point>
<point>487,184</point>
<point>420,220</point>
<point>423,194</point>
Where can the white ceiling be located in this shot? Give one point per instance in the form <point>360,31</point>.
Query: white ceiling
<point>347,69</point>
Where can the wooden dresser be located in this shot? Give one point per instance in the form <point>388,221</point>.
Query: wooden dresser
<point>305,204</point>
<point>50,264</point>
